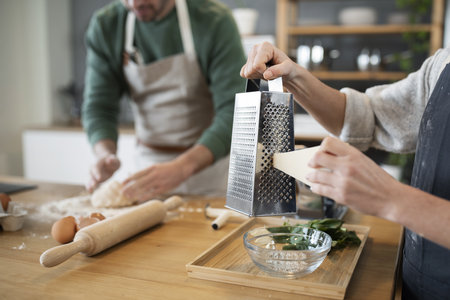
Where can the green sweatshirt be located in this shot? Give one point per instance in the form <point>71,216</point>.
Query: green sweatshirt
<point>219,53</point>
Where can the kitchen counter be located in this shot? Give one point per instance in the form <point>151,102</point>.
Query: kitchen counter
<point>124,128</point>
<point>305,128</point>
<point>48,151</point>
<point>152,265</point>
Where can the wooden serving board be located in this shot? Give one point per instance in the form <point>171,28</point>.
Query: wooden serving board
<point>227,261</point>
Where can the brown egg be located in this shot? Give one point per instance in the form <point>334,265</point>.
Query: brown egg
<point>64,230</point>
<point>97,215</point>
<point>5,199</point>
<point>86,221</point>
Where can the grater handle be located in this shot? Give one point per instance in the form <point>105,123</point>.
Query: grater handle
<point>261,85</point>
<point>276,85</point>
<point>253,85</point>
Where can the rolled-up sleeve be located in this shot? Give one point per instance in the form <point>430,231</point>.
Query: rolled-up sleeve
<point>388,116</point>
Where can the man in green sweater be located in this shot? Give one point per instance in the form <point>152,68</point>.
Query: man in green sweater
<point>179,61</point>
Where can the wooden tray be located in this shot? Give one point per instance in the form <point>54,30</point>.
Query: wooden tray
<point>227,261</point>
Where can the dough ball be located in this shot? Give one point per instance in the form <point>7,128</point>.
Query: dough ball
<point>108,195</point>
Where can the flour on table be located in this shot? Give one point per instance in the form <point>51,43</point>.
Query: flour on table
<point>109,195</point>
<point>80,206</point>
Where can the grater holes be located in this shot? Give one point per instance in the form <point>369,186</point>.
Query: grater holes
<point>244,137</point>
<point>275,138</point>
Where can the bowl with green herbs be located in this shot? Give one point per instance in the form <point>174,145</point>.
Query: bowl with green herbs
<point>293,251</point>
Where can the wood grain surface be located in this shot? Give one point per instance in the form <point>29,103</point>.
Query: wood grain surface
<point>152,264</point>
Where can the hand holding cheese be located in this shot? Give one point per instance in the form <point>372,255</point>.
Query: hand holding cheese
<point>343,173</point>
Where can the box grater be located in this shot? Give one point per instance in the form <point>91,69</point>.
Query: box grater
<point>263,125</point>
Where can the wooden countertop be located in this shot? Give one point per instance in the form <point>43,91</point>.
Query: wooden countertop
<point>152,264</point>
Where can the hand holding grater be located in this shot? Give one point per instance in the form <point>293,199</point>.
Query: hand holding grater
<point>263,125</point>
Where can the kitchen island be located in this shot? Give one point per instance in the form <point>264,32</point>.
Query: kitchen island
<point>152,264</point>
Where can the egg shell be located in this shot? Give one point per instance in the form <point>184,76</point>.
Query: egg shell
<point>5,199</point>
<point>86,221</point>
<point>64,230</point>
<point>97,215</point>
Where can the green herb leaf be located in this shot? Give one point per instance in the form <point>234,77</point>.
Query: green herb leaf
<point>281,229</point>
<point>341,237</point>
<point>281,239</point>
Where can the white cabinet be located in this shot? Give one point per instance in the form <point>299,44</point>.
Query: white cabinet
<point>249,41</point>
<point>65,156</point>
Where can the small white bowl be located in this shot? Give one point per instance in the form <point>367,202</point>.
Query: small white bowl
<point>358,16</point>
<point>13,218</point>
<point>12,223</point>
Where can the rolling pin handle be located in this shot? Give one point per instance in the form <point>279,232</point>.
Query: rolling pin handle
<point>59,254</point>
<point>173,202</point>
<point>221,220</point>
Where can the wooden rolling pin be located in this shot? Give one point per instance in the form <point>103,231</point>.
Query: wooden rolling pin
<point>222,216</point>
<point>99,236</point>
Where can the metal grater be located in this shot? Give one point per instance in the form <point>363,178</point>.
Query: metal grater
<point>263,125</point>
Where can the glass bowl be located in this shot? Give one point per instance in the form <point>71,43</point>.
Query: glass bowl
<point>266,251</point>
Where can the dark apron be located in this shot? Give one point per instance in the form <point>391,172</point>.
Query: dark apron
<point>426,265</point>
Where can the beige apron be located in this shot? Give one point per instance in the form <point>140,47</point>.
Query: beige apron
<point>172,106</point>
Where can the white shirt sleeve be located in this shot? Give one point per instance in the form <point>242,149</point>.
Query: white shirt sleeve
<point>388,116</point>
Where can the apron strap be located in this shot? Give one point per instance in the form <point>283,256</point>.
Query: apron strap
<point>185,30</point>
<point>129,39</point>
<point>129,32</point>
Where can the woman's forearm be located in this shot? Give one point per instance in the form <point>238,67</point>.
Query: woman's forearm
<point>325,104</point>
<point>421,212</point>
